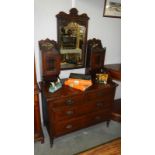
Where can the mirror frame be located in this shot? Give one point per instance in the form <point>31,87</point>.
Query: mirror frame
<point>64,19</point>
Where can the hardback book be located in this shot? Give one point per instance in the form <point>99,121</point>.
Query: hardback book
<point>80,76</point>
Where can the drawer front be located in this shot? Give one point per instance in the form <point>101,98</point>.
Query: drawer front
<point>69,112</point>
<point>97,117</point>
<point>100,116</point>
<point>99,95</point>
<point>64,113</point>
<point>67,101</point>
<point>64,127</point>
<point>68,126</point>
<point>102,105</point>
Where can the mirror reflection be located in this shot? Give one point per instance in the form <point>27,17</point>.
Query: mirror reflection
<point>71,44</point>
<point>72,36</point>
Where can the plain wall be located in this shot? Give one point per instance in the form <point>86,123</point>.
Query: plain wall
<point>108,30</point>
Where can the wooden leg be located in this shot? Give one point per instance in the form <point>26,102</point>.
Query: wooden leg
<point>51,142</point>
<point>108,122</point>
<point>42,141</point>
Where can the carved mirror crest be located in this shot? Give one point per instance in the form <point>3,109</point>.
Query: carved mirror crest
<point>72,36</point>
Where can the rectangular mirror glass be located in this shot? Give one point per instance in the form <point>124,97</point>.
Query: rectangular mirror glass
<point>72,37</point>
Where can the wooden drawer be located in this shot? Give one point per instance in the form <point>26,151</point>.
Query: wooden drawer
<point>64,113</point>
<point>69,112</point>
<point>80,122</point>
<point>102,105</point>
<point>99,94</point>
<point>97,117</point>
<point>67,101</point>
<point>68,126</point>
<point>100,116</point>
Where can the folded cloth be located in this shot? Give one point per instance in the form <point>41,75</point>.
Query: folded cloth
<point>78,83</point>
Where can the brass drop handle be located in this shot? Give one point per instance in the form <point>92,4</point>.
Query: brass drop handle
<point>69,102</point>
<point>69,112</point>
<point>69,126</point>
<point>100,94</point>
<point>99,104</point>
<point>97,117</point>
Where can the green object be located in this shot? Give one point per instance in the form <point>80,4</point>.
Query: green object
<point>55,87</point>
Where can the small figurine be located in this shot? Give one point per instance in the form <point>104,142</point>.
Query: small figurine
<point>55,86</point>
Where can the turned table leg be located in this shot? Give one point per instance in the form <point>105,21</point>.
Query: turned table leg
<point>51,142</point>
<point>108,122</point>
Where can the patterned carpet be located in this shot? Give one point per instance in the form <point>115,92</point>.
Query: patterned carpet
<point>78,141</point>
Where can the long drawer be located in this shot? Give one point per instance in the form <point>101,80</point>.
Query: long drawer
<point>69,112</point>
<point>67,101</point>
<point>67,126</point>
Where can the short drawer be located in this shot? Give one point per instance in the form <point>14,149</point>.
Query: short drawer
<point>68,126</point>
<point>102,105</point>
<point>64,113</point>
<point>67,101</point>
<point>70,112</point>
<point>98,116</point>
<point>99,94</point>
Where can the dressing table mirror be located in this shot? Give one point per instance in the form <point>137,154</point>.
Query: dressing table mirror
<point>72,36</point>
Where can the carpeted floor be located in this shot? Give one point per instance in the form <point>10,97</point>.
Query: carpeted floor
<point>79,140</point>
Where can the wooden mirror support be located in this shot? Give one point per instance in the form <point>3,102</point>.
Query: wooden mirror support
<point>50,59</point>
<point>95,55</point>
<point>72,36</point>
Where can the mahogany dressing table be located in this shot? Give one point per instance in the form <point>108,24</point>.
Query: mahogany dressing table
<point>68,109</point>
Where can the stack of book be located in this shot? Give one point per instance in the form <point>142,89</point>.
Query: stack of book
<point>78,83</point>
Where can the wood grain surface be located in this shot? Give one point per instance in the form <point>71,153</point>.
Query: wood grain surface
<point>111,148</point>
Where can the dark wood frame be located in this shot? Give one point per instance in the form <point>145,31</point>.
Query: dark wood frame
<point>94,51</point>
<point>112,16</point>
<point>64,18</point>
<point>50,50</point>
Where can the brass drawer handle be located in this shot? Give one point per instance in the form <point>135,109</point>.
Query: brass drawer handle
<point>99,104</point>
<point>97,117</point>
<point>100,94</point>
<point>69,102</point>
<point>69,113</point>
<point>69,126</point>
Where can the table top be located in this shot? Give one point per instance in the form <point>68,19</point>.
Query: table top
<point>115,70</point>
<point>68,91</point>
<point>116,67</point>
